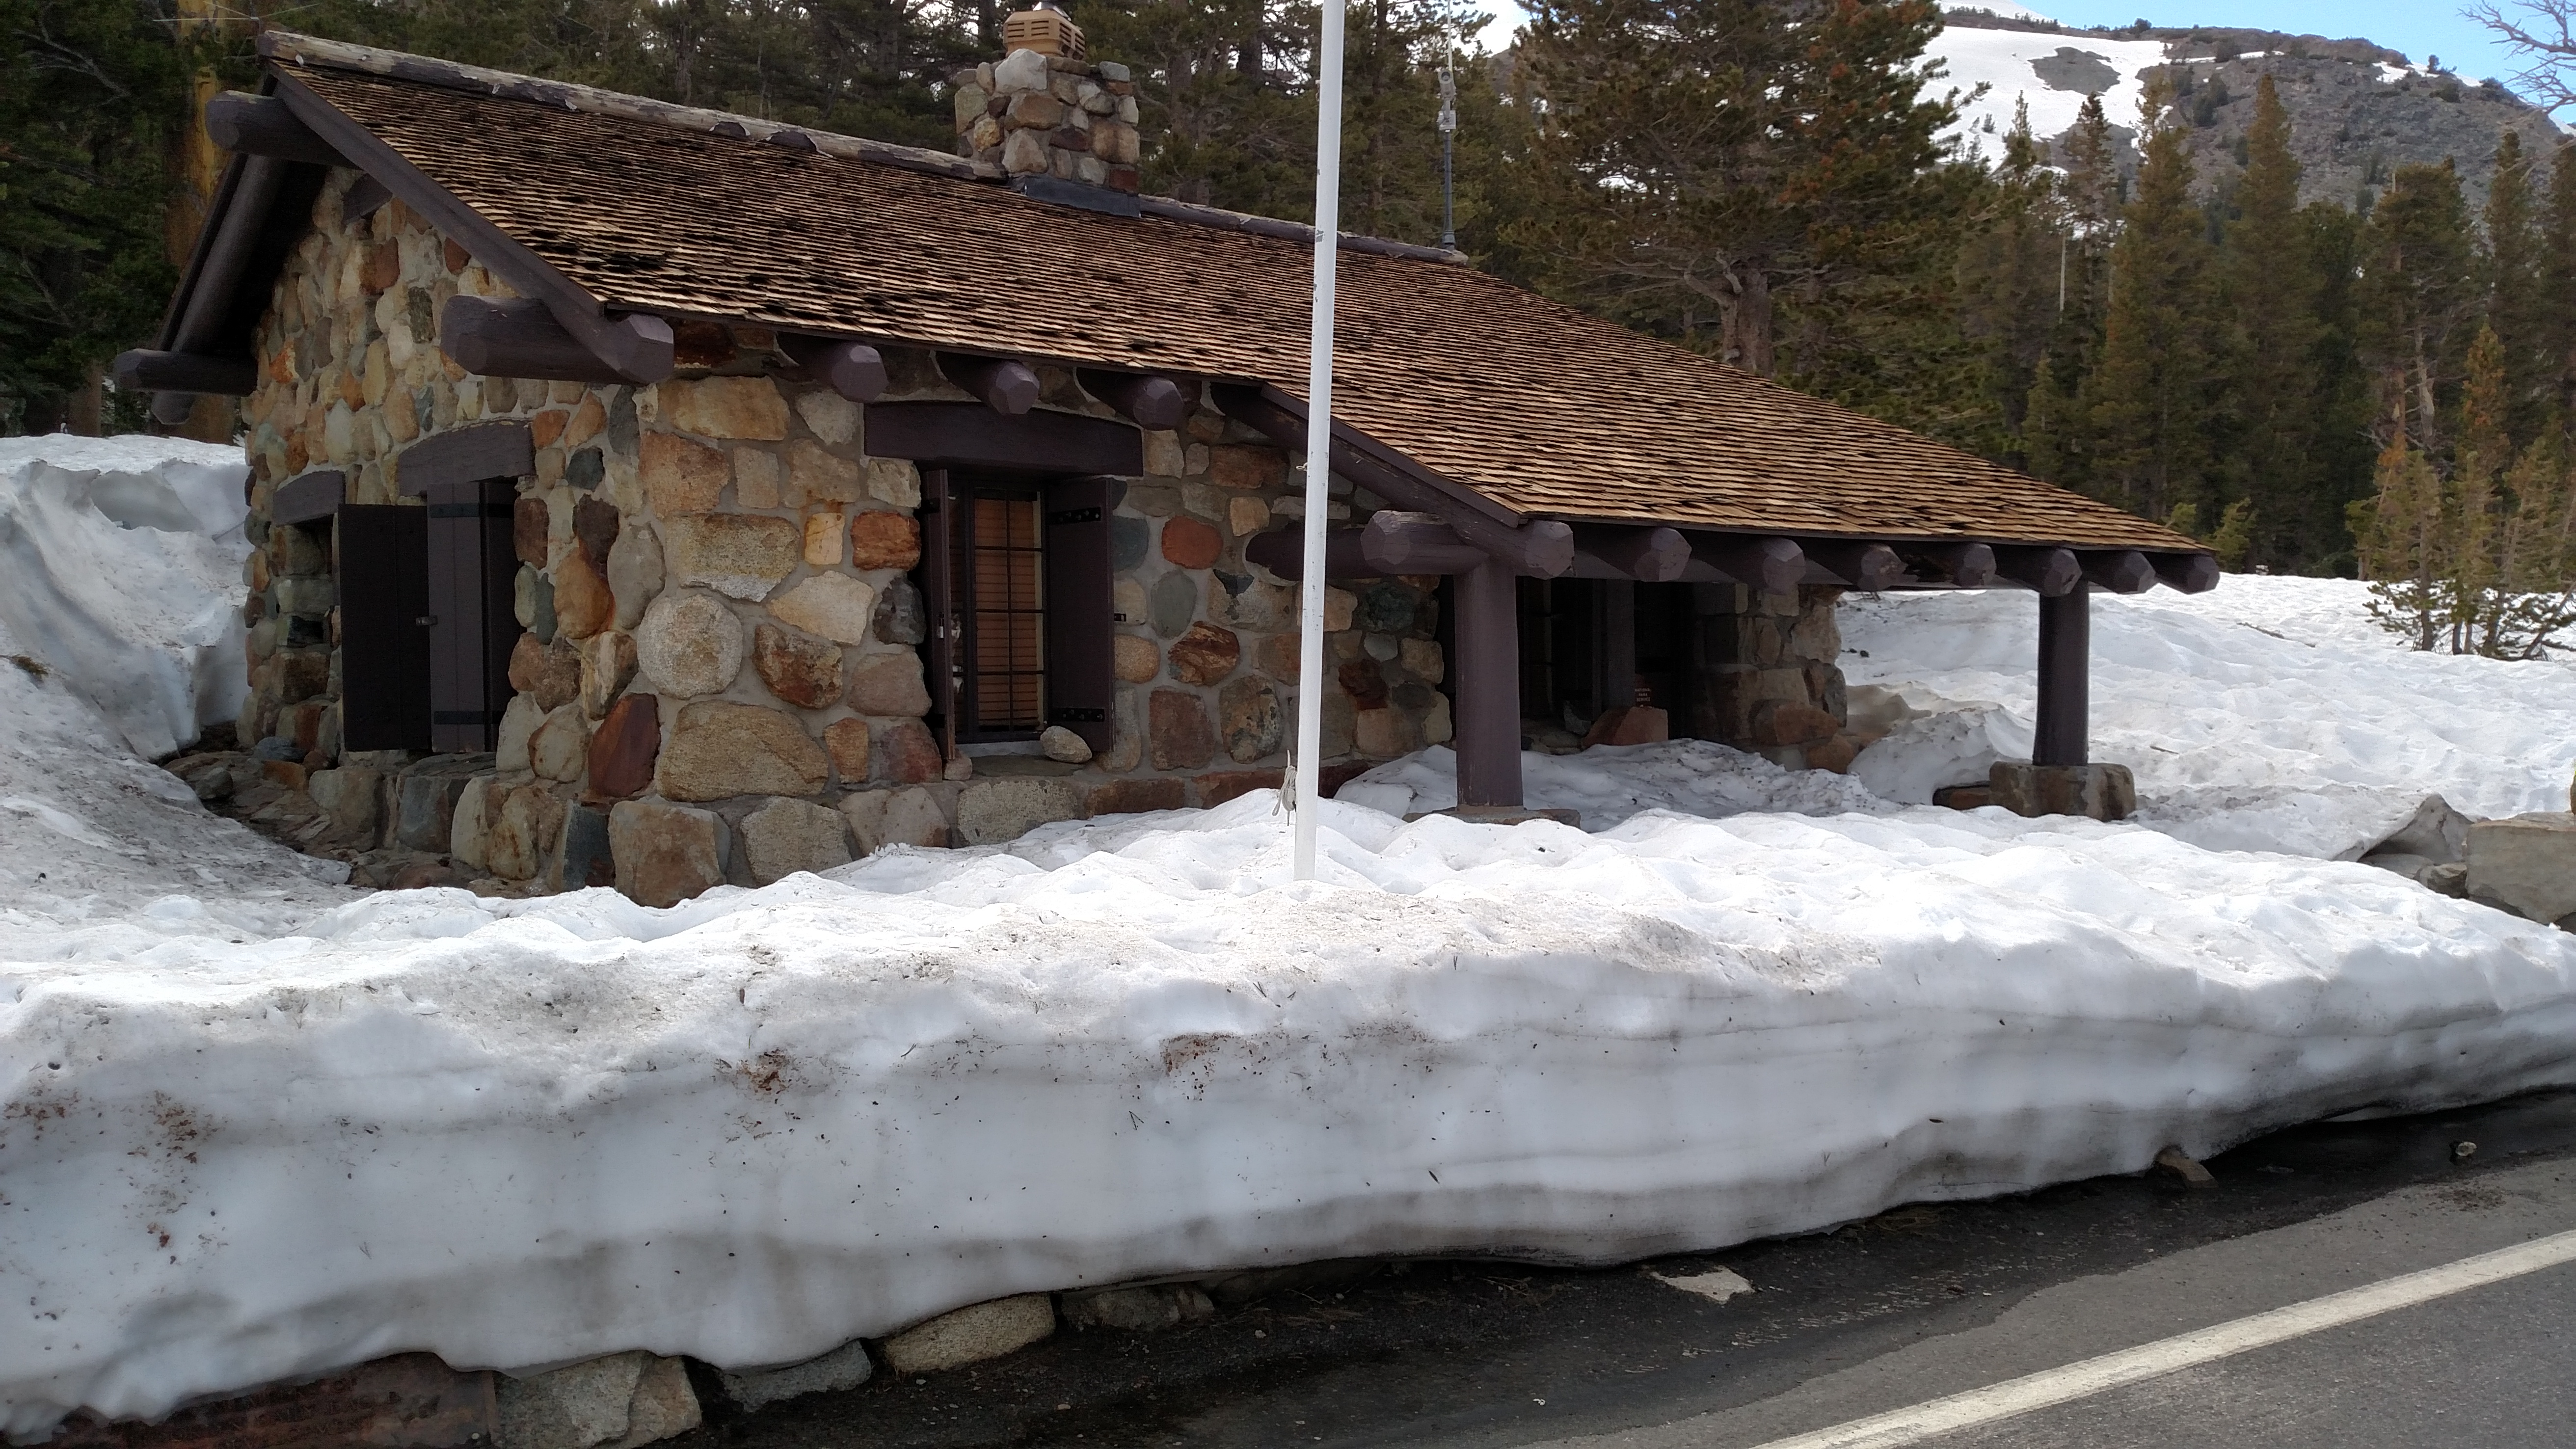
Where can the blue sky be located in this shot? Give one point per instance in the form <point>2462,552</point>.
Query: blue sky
<point>2417,27</point>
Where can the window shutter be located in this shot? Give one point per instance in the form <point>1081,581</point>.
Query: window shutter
<point>383,558</point>
<point>938,599</point>
<point>1082,689</point>
<point>472,568</point>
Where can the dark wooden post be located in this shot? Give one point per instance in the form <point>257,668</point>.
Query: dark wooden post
<point>1617,656</point>
<point>1486,633</point>
<point>2065,664</point>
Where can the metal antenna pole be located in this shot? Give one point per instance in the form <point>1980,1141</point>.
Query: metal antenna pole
<point>1448,141</point>
<point>1319,439</point>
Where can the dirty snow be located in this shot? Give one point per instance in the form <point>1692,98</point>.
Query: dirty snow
<point>249,1136</point>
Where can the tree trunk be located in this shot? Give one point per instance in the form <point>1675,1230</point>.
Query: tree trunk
<point>1744,337</point>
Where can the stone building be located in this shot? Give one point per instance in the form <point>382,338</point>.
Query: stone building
<point>655,497</point>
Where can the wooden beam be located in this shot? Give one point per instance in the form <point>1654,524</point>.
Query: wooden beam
<point>470,454</point>
<point>1869,567</point>
<point>853,369</point>
<point>516,337</point>
<point>970,435</point>
<point>217,271</point>
<point>1006,386</point>
<point>2052,571</point>
<point>1960,565</point>
<point>1765,565</point>
<point>1390,543</point>
<point>1544,549</point>
<point>266,126</point>
<point>2125,571</point>
<point>1486,665</point>
<point>144,370</point>
<point>2192,573</point>
<point>309,497</point>
<point>1416,543</point>
<point>1149,400</point>
<point>1647,555</point>
<point>637,345</point>
<point>2065,684</point>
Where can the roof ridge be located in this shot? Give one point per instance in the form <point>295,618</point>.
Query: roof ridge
<point>292,48</point>
<point>289,47</point>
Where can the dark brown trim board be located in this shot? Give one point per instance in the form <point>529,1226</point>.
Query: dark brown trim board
<point>971,435</point>
<point>309,497</point>
<point>468,454</point>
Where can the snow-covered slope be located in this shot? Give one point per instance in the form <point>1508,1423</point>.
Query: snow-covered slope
<point>120,570</point>
<point>2051,73</point>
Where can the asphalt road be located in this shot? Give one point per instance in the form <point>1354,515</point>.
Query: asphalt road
<point>1915,1305</point>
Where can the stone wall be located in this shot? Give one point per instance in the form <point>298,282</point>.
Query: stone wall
<point>1767,675</point>
<point>1048,115</point>
<point>720,676</point>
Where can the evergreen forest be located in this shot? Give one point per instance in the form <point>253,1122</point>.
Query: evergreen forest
<point>2383,387</point>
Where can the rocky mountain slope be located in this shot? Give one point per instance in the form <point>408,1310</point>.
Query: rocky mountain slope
<point>2358,110</point>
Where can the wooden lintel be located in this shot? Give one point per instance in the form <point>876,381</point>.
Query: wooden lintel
<point>1765,565</point>
<point>1007,386</point>
<point>1147,399</point>
<point>309,497</point>
<point>1544,549</point>
<point>853,369</point>
<point>474,453</point>
<point>969,435</point>
<point>1647,555</point>
<point>265,126</point>
<point>2052,571</point>
<point>1869,567</point>
<point>516,337</point>
<point>2124,571</point>
<point>2192,573</point>
<point>144,370</point>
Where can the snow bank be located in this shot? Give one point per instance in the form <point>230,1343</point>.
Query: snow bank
<point>120,569</point>
<point>2268,714</point>
<point>761,1123</point>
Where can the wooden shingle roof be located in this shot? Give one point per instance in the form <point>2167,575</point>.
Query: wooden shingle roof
<point>1540,408</point>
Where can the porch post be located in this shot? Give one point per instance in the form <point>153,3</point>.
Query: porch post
<point>2065,663</point>
<point>1488,692</point>
<point>1616,661</point>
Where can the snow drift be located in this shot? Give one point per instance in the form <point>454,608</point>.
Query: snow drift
<point>120,570</point>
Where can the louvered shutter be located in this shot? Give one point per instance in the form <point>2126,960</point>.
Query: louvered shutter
<point>383,558</point>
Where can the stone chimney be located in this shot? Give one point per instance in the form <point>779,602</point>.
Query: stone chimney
<point>1044,111</point>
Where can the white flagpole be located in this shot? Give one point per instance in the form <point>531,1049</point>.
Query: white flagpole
<point>1319,433</point>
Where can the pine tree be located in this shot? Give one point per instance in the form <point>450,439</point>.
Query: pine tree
<point>2557,300</point>
<point>2418,293</point>
<point>2401,542</point>
<point>1703,162</point>
<point>2150,397</point>
<point>87,120</point>
<point>2513,284</point>
<point>2271,295</point>
<point>2012,278</point>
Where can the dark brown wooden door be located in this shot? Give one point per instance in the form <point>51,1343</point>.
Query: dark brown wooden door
<point>383,557</point>
<point>471,568</point>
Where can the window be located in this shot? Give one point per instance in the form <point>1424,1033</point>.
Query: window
<point>998,565</point>
<point>1016,572</point>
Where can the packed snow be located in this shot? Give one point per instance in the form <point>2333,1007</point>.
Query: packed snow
<point>2268,714</point>
<point>120,571</point>
<point>256,1126</point>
